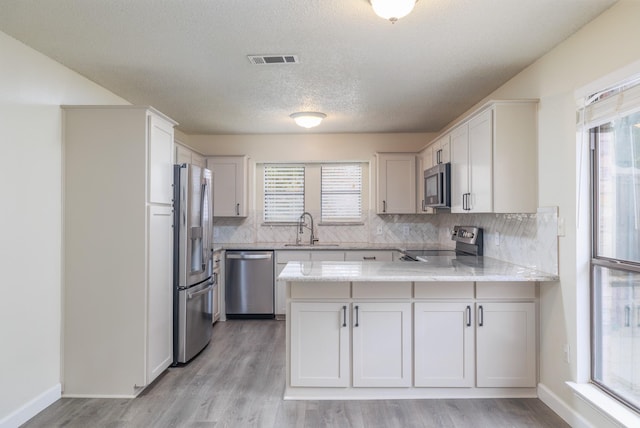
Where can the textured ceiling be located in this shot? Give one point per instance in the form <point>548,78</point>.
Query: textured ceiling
<point>189,58</point>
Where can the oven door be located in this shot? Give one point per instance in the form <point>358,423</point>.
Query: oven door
<point>437,186</point>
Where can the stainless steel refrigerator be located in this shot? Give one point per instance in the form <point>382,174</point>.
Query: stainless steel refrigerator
<point>193,278</point>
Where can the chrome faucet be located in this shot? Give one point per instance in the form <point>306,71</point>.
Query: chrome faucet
<point>302,225</point>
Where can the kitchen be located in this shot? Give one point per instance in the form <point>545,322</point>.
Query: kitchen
<point>35,86</point>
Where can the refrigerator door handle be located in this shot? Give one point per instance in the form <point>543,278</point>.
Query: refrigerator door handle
<point>199,293</point>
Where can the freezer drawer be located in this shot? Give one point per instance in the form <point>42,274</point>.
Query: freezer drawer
<point>194,320</point>
<point>249,284</point>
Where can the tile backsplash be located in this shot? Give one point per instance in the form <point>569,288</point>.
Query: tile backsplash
<point>524,239</point>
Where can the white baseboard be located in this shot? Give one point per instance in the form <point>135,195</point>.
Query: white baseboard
<point>569,415</point>
<point>32,408</point>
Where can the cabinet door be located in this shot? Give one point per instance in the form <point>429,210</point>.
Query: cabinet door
<point>506,344</point>
<point>481,163</point>
<point>229,186</point>
<point>198,160</point>
<point>319,344</point>
<point>444,344</point>
<point>445,149</point>
<point>160,161</point>
<point>280,292</point>
<point>183,155</point>
<point>396,183</point>
<point>160,291</point>
<point>459,168</point>
<point>381,344</point>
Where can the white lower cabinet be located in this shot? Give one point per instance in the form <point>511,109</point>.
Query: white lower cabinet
<point>506,344</point>
<point>444,344</point>
<point>160,291</point>
<point>321,334</point>
<point>381,337</point>
<point>415,340</point>
<point>320,337</point>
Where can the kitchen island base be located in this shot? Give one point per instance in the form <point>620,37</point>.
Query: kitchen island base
<point>411,339</point>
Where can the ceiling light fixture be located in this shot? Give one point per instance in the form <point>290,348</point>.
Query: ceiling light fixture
<point>392,9</point>
<point>308,119</point>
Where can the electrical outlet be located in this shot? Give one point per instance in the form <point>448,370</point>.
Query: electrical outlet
<point>561,226</point>
<point>567,353</point>
<point>497,239</point>
<point>405,230</point>
<point>379,230</point>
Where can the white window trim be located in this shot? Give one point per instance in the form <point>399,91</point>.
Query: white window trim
<point>607,406</point>
<point>597,399</point>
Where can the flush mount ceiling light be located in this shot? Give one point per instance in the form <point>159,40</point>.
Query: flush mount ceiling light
<point>308,119</point>
<point>392,9</point>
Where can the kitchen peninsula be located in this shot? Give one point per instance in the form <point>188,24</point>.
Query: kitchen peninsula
<point>454,327</point>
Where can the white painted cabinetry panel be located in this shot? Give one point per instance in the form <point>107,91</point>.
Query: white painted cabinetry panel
<point>118,249</point>
<point>320,337</point>
<point>396,173</point>
<point>506,344</point>
<point>229,185</point>
<point>381,344</point>
<point>444,344</point>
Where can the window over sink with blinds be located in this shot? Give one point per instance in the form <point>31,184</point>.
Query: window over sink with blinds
<point>332,192</point>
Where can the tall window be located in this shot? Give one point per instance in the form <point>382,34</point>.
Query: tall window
<point>341,193</point>
<point>613,123</point>
<point>283,193</point>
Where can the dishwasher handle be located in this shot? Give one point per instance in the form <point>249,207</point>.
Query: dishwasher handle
<point>249,256</point>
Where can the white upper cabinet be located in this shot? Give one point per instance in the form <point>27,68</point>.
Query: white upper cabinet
<point>459,167</point>
<point>186,155</point>
<point>494,159</point>
<point>440,150</point>
<point>160,160</point>
<point>229,185</point>
<point>396,174</point>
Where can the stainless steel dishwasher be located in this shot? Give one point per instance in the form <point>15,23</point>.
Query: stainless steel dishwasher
<point>249,284</point>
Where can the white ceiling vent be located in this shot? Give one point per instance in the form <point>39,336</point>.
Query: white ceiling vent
<point>273,59</point>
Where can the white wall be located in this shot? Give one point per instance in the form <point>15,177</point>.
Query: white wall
<point>601,47</point>
<point>32,87</point>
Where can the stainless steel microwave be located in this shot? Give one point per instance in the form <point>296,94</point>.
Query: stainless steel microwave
<point>437,186</point>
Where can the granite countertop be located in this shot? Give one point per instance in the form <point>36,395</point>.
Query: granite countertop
<point>327,246</point>
<point>436,268</point>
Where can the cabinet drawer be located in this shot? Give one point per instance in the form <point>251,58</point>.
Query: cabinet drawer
<point>316,290</point>
<point>292,256</point>
<point>506,290</point>
<point>374,256</point>
<point>381,290</point>
<point>443,290</point>
<point>327,256</point>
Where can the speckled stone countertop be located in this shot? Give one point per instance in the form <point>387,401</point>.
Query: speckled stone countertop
<point>436,268</point>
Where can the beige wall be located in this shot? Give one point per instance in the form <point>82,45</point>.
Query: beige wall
<point>32,87</point>
<point>603,46</point>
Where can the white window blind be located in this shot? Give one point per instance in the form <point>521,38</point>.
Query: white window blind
<point>341,193</point>
<point>283,193</point>
<point>608,104</point>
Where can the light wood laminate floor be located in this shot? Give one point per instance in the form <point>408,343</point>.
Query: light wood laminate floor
<point>238,381</point>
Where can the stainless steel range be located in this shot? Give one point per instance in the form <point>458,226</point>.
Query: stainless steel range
<point>468,240</point>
